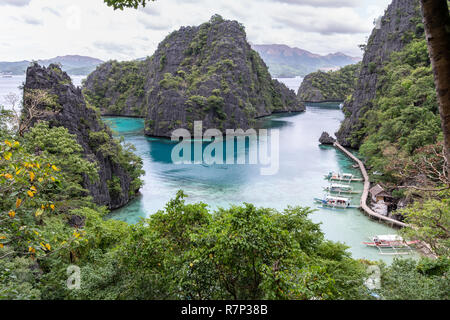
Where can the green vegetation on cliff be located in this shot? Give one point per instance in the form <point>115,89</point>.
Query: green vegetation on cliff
<point>333,85</point>
<point>118,88</point>
<point>393,118</point>
<point>405,115</point>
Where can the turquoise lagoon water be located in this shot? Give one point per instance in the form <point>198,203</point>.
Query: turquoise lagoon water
<point>300,178</point>
<point>303,163</point>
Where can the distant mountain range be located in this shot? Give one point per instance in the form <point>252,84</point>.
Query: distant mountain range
<point>72,64</point>
<point>286,62</point>
<point>282,60</point>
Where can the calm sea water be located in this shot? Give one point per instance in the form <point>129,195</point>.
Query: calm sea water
<point>303,163</point>
<point>11,85</point>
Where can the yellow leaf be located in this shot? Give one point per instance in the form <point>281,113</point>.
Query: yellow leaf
<point>18,202</point>
<point>38,212</point>
<point>18,172</point>
<point>33,188</point>
<point>7,155</point>
<point>16,144</point>
<point>32,175</point>
<point>30,194</point>
<point>38,165</point>
<point>40,180</point>
<point>12,214</point>
<point>1,245</point>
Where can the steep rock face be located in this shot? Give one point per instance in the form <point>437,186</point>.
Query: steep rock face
<point>329,86</point>
<point>118,88</point>
<point>207,73</point>
<point>117,182</point>
<point>398,25</point>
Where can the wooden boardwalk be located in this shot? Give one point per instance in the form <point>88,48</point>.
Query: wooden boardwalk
<point>363,203</point>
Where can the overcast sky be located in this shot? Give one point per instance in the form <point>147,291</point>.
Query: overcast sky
<point>39,29</point>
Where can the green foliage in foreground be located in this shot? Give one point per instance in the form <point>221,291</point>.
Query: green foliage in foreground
<point>411,280</point>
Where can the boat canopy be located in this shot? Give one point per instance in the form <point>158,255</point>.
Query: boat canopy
<point>337,199</point>
<point>389,237</point>
<point>347,175</point>
<point>342,186</point>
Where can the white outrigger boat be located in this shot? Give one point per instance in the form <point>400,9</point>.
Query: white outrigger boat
<point>392,242</point>
<point>340,188</point>
<point>335,202</point>
<point>345,177</point>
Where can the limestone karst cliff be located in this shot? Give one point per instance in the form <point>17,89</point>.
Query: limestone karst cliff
<point>118,169</point>
<point>397,27</point>
<point>208,72</point>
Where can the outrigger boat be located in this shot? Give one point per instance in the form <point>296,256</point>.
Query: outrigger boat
<point>335,202</point>
<point>347,177</point>
<point>391,244</point>
<point>389,241</point>
<point>340,188</point>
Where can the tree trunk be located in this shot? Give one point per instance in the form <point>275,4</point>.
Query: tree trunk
<point>436,19</point>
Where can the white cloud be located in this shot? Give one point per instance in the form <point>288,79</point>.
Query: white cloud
<point>323,3</point>
<point>32,20</point>
<point>17,3</point>
<point>89,27</point>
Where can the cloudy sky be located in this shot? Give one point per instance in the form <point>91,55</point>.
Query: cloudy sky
<point>39,29</point>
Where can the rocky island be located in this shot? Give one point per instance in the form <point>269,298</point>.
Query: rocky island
<point>208,72</point>
<point>118,169</point>
<point>332,86</point>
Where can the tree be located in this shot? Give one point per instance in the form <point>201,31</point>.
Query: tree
<point>436,19</point>
<point>34,101</point>
<point>430,223</point>
<point>120,4</point>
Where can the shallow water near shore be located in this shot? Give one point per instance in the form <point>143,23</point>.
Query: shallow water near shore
<point>302,166</point>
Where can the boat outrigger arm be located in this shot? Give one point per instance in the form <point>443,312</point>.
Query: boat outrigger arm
<point>340,188</point>
<point>391,244</point>
<point>335,202</point>
<point>347,177</point>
